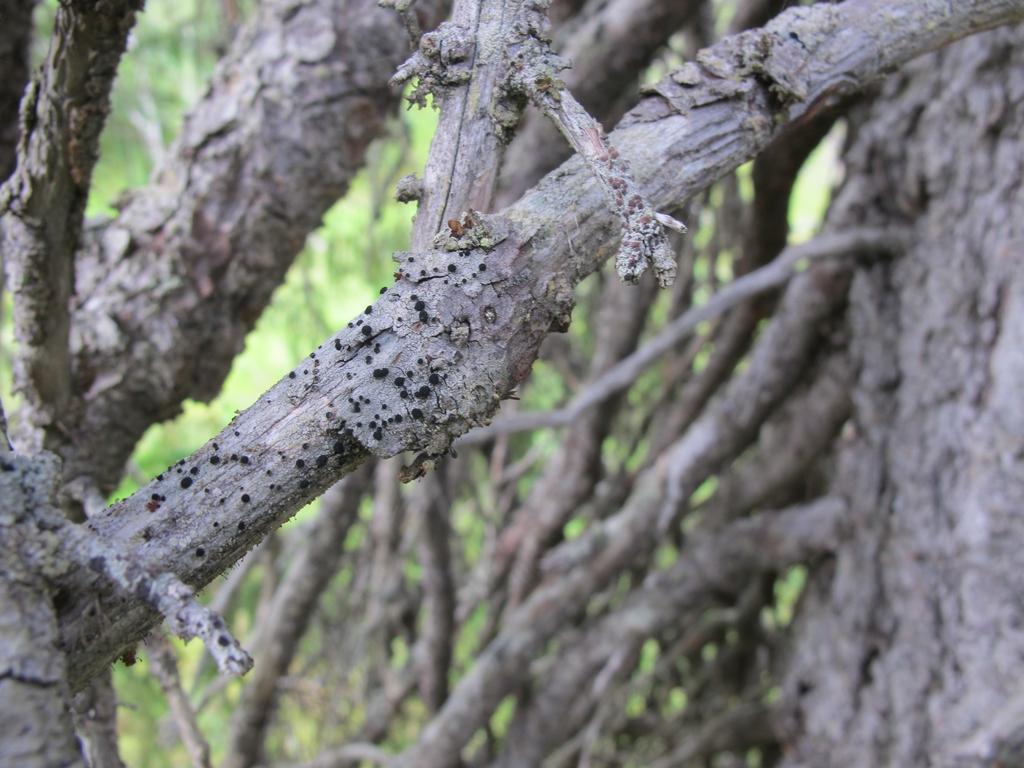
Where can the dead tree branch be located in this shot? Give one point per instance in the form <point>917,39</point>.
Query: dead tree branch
<point>692,127</point>
<point>191,261</point>
<point>608,46</point>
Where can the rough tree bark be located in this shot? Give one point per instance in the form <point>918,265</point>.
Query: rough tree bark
<point>894,660</point>
<point>908,647</point>
<point>194,258</point>
<point>730,105</point>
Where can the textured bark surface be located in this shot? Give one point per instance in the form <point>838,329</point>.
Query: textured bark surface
<point>42,204</point>
<point>192,260</point>
<point>314,564</point>
<point>36,729</point>
<point>908,647</point>
<point>608,47</point>
<point>480,328</point>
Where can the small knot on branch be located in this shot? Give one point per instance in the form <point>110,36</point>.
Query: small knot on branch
<point>440,62</point>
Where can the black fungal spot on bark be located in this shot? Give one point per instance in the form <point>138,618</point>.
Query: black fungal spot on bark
<point>291,375</point>
<point>300,463</point>
<point>97,564</point>
<point>423,393</point>
<point>321,461</point>
<point>368,310</point>
<point>194,471</point>
<point>434,379</point>
<point>303,483</point>
<point>366,330</point>
<point>377,434</point>
<point>245,498</point>
<point>223,641</point>
<point>241,525</point>
<point>452,268</point>
<point>200,552</point>
<point>417,414</point>
<point>244,459</point>
<point>380,373</point>
<point>186,482</point>
<point>215,460</point>
<point>419,306</point>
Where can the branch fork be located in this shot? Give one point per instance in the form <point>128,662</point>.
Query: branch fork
<point>51,546</point>
<point>644,244</point>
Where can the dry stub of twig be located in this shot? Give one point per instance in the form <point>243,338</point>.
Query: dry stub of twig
<point>55,545</point>
<point>533,72</point>
<point>442,61</point>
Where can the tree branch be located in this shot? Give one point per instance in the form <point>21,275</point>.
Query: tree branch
<point>430,505</point>
<point>293,606</point>
<point>717,560</point>
<point>483,327</point>
<point>586,564</point>
<point>169,289</point>
<point>608,47</point>
<point>43,203</point>
<point>848,244</point>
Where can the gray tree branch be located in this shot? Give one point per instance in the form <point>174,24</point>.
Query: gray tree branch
<point>42,204</point>
<point>482,326</point>
<point>168,290</point>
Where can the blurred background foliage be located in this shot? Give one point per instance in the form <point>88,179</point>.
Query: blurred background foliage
<point>174,48</point>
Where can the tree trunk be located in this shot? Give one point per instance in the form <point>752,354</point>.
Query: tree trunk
<point>909,644</point>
